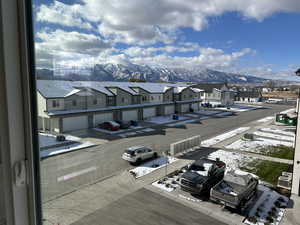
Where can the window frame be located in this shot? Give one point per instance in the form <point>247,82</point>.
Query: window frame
<point>18,134</point>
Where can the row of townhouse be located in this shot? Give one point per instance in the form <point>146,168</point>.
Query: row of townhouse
<point>71,105</point>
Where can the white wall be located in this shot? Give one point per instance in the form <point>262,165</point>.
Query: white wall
<point>60,107</point>
<point>42,105</point>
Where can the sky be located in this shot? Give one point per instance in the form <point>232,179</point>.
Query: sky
<point>253,37</point>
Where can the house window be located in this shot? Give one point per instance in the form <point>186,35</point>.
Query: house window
<point>123,100</point>
<point>95,102</point>
<point>158,97</point>
<point>55,103</point>
<point>152,98</point>
<point>74,103</point>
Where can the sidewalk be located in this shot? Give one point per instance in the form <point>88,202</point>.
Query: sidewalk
<point>292,216</point>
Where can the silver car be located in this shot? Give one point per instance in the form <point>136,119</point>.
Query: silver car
<point>137,154</point>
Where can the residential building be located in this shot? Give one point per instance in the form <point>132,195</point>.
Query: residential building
<point>216,93</point>
<point>71,105</point>
<point>248,96</point>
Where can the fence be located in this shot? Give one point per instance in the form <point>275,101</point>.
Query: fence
<point>184,145</point>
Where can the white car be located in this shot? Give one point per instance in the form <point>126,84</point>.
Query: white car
<point>137,154</point>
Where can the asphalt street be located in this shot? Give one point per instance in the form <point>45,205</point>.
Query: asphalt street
<point>147,207</point>
<point>64,173</point>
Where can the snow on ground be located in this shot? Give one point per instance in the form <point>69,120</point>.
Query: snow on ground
<point>288,111</point>
<point>64,149</point>
<point>256,145</point>
<point>146,130</point>
<point>222,137</point>
<point>266,206</point>
<point>118,131</point>
<point>241,108</point>
<point>192,115</point>
<point>165,119</point>
<point>266,119</point>
<point>163,186</point>
<point>233,160</point>
<point>274,136</point>
<point>208,112</point>
<point>151,166</point>
<point>225,114</point>
<point>46,140</point>
<point>278,131</point>
<point>181,123</point>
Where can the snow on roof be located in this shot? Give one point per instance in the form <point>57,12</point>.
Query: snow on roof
<point>197,90</point>
<point>59,89</point>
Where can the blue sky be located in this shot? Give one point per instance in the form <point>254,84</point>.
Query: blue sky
<point>255,37</point>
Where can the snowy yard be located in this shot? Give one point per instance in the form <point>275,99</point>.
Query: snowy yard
<point>128,134</point>
<point>278,131</point>
<point>233,160</point>
<point>47,140</point>
<point>208,112</point>
<point>256,145</point>
<point>65,149</point>
<point>182,123</point>
<point>165,119</point>
<point>274,136</point>
<point>118,131</point>
<point>223,137</point>
<point>241,108</point>
<point>288,111</point>
<point>268,208</point>
<point>151,166</point>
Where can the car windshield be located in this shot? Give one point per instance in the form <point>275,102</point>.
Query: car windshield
<point>130,152</point>
<point>197,167</point>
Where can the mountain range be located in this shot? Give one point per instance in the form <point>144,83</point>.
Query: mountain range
<point>122,72</point>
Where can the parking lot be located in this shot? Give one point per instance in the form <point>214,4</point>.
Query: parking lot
<point>68,172</point>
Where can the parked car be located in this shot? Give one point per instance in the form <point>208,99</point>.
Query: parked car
<point>137,154</point>
<point>110,125</point>
<point>235,189</point>
<point>202,175</point>
<point>124,124</point>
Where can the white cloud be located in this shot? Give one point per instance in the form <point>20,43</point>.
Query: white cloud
<point>59,13</point>
<point>148,21</point>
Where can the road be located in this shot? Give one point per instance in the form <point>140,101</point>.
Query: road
<point>64,173</point>
<point>146,207</point>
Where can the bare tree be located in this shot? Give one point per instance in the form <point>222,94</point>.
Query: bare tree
<point>298,72</point>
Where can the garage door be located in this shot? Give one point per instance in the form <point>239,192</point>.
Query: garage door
<point>102,117</point>
<point>170,109</point>
<point>75,123</point>
<point>195,106</point>
<point>130,115</point>
<point>149,112</point>
<point>185,108</point>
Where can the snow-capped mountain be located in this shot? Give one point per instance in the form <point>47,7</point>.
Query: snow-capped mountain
<point>122,72</point>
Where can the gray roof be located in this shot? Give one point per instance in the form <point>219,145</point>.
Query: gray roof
<point>60,89</point>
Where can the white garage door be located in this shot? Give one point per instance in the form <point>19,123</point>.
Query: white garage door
<point>102,117</point>
<point>130,115</point>
<point>149,112</point>
<point>185,108</point>
<point>195,107</point>
<point>75,123</point>
<point>170,109</point>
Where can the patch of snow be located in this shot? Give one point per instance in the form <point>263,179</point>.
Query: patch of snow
<point>266,119</point>
<point>232,160</point>
<point>146,130</point>
<point>163,186</point>
<point>274,136</point>
<point>222,137</point>
<point>151,166</point>
<point>288,111</point>
<point>256,145</point>
<point>207,167</point>
<point>181,123</point>
<point>241,108</point>
<point>164,119</point>
<point>46,140</point>
<point>277,131</point>
<point>192,115</point>
<point>65,149</point>
<point>208,112</point>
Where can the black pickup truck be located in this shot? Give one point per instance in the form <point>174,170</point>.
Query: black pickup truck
<point>202,175</point>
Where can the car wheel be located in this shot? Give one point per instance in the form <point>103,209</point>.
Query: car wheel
<point>155,155</point>
<point>138,161</point>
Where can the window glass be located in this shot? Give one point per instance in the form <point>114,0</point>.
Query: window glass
<point>177,77</point>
